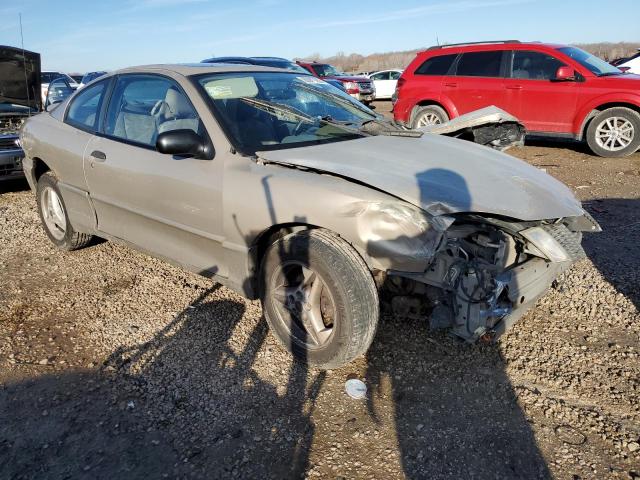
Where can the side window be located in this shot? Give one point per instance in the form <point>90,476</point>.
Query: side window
<point>439,65</point>
<point>83,109</point>
<point>143,106</point>
<point>381,76</point>
<point>480,64</point>
<point>534,65</point>
<point>394,75</point>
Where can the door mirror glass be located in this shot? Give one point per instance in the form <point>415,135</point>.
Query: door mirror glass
<point>565,74</point>
<point>182,142</point>
<point>58,91</point>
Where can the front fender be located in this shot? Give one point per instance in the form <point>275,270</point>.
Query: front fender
<point>590,109</point>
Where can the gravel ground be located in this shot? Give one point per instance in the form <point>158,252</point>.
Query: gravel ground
<point>117,365</point>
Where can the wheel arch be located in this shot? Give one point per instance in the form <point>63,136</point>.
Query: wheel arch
<point>600,107</point>
<point>268,236</point>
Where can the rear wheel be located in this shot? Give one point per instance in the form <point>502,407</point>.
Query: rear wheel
<point>54,217</point>
<point>429,115</point>
<point>319,298</point>
<point>614,132</point>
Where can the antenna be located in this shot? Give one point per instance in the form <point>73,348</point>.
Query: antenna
<point>24,63</point>
<point>437,39</point>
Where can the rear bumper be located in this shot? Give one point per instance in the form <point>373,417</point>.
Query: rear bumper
<point>11,164</point>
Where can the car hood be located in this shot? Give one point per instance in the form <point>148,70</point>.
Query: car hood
<point>19,77</point>
<point>441,175</point>
<point>349,78</point>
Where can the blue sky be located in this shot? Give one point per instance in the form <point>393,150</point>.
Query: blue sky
<point>83,35</point>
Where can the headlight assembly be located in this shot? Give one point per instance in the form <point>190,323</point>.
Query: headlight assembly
<point>546,244</point>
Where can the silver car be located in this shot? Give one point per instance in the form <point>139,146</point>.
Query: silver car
<point>284,189</point>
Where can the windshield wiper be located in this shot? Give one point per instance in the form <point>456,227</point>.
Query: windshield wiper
<point>609,74</point>
<point>336,98</point>
<point>275,108</point>
<point>388,128</point>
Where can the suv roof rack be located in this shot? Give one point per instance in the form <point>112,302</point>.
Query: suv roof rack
<point>486,42</point>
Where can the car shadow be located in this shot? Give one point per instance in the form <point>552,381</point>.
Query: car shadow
<point>186,403</point>
<point>550,142</point>
<point>456,411</point>
<point>614,251</point>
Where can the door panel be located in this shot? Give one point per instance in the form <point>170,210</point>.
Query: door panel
<point>540,103</point>
<point>478,81</point>
<point>167,205</point>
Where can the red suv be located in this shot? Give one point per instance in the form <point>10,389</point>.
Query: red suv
<point>555,90</point>
<point>360,88</point>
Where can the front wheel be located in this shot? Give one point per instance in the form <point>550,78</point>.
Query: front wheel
<point>54,217</point>
<point>319,298</point>
<point>614,132</point>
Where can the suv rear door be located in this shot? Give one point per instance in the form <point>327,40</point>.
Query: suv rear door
<point>541,103</point>
<point>478,81</point>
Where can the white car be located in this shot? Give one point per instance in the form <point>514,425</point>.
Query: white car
<point>385,82</point>
<point>49,76</point>
<point>633,63</point>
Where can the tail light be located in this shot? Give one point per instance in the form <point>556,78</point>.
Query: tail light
<point>401,81</point>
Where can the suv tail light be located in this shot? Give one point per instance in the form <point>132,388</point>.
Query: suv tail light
<point>401,81</point>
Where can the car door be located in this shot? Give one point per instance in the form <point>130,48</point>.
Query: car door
<point>478,81</point>
<point>541,103</point>
<point>382,82</point>
<point>168,205</point>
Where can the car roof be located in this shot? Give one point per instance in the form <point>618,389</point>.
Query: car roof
<point>488,45</point>
<point>189,69</point>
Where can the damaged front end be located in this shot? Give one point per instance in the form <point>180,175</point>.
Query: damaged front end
<point>487,272</point>
<point>490,126</point>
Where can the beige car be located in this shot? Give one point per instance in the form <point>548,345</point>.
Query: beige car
<point>280,187</point>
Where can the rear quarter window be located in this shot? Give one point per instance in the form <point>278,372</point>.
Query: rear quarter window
<point>439,65</point>
<point>480,64</point>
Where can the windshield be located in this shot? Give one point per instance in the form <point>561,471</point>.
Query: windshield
<point>325,70</point>
<point>270,110</point>
<point>594,64</point>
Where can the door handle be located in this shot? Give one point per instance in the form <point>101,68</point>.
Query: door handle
<point>98,156</point>
<point>450,84</point>
<point>514,87</point>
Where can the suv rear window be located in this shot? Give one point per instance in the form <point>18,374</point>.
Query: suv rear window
<point>480,64</point>
<point>439,65</point>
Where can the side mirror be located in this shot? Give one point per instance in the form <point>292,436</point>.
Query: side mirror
<point>182,142</point>
<point>565,74</point>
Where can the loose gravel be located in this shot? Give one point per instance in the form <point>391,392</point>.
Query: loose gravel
<point>116,365</point>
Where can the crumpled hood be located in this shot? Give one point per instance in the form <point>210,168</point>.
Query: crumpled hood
<point>440,174</point>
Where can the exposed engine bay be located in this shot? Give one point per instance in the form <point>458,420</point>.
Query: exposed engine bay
<point>484,276</point>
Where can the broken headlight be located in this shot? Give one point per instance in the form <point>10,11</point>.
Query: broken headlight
<point>543,241</point>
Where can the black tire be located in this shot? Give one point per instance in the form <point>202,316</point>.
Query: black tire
<point>435,110</point>
<point>622,114</point>
<point>348,281</point>
<point>69,239</point>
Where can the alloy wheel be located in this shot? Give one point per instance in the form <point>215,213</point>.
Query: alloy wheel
<point>53,213</point>
<point>614,133</point>
<point>304,304</point>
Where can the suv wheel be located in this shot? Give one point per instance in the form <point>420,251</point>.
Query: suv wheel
<point>319,298</point>
<point>429,115</point>
<point>53,215</point>
<point>614,132</point>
